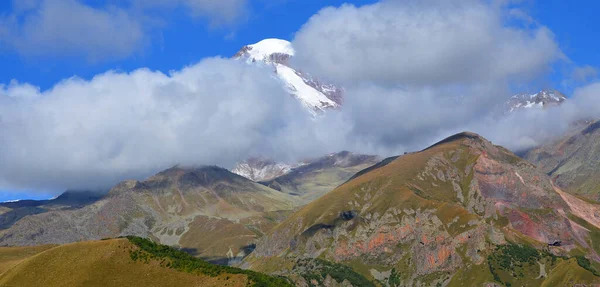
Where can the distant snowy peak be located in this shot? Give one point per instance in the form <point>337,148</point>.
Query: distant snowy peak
<point>540,100</point>
<point>263,169</point>
<point>260,169</point>
<point>268,51</point>
<point>316,96</point>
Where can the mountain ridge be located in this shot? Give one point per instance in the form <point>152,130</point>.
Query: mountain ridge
<point>173,207</point>
<point>434,213</point>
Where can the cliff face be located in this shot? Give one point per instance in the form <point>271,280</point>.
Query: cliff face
<point>432,214</point>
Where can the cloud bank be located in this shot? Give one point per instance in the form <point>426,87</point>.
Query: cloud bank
<point>90,134</point>
<point>422,43</point>
<point>417,71</point>
<point>414,73</point>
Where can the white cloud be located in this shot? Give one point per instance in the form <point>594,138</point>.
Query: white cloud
<point>422,43</point>
<point>220,12</point>
<point>84,134</point>
<point>67,27</point>
<point>417,71</point>
<point>584,73</point>
<point>99,32</point>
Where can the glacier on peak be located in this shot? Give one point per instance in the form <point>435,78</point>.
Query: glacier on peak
<point>314,95</point>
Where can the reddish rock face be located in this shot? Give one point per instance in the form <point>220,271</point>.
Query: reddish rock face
<point>514,184</point>
<point>433,210</point>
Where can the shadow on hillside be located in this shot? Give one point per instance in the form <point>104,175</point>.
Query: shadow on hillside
<point>11,217</point>
<point>67,201</point>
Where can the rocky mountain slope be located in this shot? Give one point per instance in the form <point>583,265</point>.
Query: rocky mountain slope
<point>312,93</point>
<point>314,178</point>
<point>462,210</point>
<point>573,161</point>
<point>118,262</point>
<point>208,211</point>
<point>543,99</point>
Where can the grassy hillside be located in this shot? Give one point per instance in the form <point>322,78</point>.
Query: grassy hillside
<point>11,256</point>
<point>122,262</point>
<point>522,265</point>
<point>425,218</point>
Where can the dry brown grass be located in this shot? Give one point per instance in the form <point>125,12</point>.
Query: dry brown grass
<point>11,256</point>
<point>212,237</point>
<point>103,263</point>
<point>392,180</point>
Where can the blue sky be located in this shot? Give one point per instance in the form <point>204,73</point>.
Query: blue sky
<point>170,37</point>
<point>184,40</point>
<point>573,23</point>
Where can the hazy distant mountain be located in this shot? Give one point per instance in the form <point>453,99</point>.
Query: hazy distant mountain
<point>573,161</point>
<point>209,211</point>
<point>314,178</point>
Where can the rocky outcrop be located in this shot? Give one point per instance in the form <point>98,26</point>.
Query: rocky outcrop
<point>430,214</point>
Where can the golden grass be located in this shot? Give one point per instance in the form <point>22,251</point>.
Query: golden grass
<point>212,237</point>
<point>103,263</point>
<point>391,183</point>
<point>11,256</point>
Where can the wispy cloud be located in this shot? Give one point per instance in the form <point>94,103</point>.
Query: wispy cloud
<point>69,27</point>
<point>103,31</point>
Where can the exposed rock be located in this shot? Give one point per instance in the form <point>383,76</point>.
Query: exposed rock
<point>430,214</point>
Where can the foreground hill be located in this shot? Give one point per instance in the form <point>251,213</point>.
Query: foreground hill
<point>317,177</point>
<point>208,211</point>
<point>573,161</point>
<point>121,262</point>
<point>461,211</point>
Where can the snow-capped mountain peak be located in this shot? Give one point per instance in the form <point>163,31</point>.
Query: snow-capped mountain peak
<point>312,93</point>
<point>543,99</point>
<point>263,50</point>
